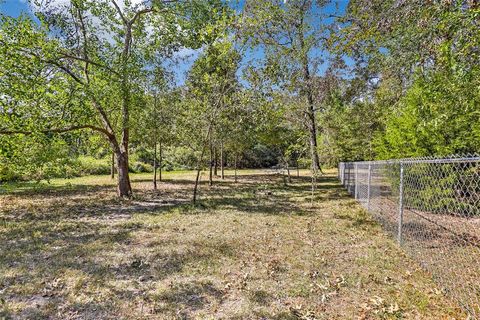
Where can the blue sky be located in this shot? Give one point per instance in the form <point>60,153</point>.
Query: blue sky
<point>16,7</point>
<point>13,7</point>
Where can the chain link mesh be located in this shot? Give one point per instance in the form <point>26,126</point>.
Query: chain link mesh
<point>432,206</point>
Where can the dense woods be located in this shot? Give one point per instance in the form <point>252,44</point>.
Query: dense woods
<point>90,87</point>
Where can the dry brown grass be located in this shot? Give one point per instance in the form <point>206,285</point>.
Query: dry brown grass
<point>252,250</point>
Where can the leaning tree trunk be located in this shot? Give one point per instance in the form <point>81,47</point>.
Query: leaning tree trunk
<point>195,188</point>
<point>124,188</point>
<point>199,167</point>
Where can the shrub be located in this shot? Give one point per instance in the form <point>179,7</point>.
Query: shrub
<point>92,166</point>
<point>168,166</point>
<point>141,167</point>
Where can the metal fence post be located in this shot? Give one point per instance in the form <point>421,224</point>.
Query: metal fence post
<point>400,206</point>
<point>356,181</point>
<point>369,185</point>
<point>340,173</point>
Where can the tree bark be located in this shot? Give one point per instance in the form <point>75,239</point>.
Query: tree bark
<point>160,162</point>
<point>235,165</point>
<point>124,188</point>
<point>200,161</point>
<point>155,166</point>
<point>313,139</point>
<point>215,162</point>
<point>310,112</point>
<point>199,169</point>
<point>210,177</point>
<point>195,188</point>
<point>112,168</point>
<point>222,161</point>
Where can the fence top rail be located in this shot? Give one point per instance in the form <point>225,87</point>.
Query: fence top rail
<point>445,160</point>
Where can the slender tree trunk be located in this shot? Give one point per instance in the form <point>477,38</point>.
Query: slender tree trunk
<point>195,188</point>
<point>215,160</point>
<point>235,165</point>
<point>210,177</point>
<point>199,169</point>
<point>298,169</point>
<point>314,182</point>
<point>155,166</point>
<point>160,162</point>
<point>313,139</point>
<point>288,172</point>
<point>312,126</point>
<point>310,112</point>
<point>124,187</point>
<point>112,167</point>
<point>222,161</point>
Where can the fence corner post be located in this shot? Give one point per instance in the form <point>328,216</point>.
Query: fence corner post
<point>369,185</point>
<point>400,206</point>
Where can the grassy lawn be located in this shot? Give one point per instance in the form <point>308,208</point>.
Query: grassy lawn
<point>255,249</point>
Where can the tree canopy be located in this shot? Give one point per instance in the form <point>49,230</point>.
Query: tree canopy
<point>304,83</point>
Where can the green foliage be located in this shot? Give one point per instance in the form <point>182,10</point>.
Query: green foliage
<point>442,189</point>
<point>411,88</point>
<point>85,65</point>
<point>182,158</point>
<point>87,165</point>
<point>34,157</point>
<point>140,167</point>
<point>348,131</point>
<point>440,114</point>
<point>417,67</point>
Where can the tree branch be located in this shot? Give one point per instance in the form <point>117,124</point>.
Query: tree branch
<point>139,13</point>
<point>88,61</point>
<point>125,21</point>
<point>66,70</point>
<point>57,130</point>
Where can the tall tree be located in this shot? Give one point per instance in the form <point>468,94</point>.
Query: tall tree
<point>154,128</point>
<point>292,35</point>
<point>211,84</point>
<point>98,50</point>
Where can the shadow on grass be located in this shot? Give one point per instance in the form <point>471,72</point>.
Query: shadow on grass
<point>78,234</point>
<point>36,256</point>
<point>360,219</point>
<point>183,298</point>
<point>265,194</point>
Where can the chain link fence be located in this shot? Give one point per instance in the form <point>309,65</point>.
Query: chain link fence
<point>432,207</point>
